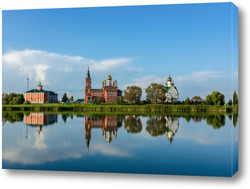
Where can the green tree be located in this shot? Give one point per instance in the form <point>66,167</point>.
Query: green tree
<point>133,94</point>
<point>230,102</point>
<point>64,98</point>
<point>94,101</point>
<point>17,100</point>
<point>235,98</point>
<point>14,98</point>
<point>156,93</point>
<point>26,102</point>
<point>117,101</point>
<point>216,98</point>
<point>187,101</point>
<point>71,98</point>
<point>98,101</point>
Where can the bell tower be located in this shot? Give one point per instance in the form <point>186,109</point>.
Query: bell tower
<point>87,84</point>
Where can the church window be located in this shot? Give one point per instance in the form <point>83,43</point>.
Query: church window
<point>111,93</point>
<point>87,83</point>
<point>114,93</point>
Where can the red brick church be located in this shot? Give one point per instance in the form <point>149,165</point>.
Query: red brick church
<point>107,94</point>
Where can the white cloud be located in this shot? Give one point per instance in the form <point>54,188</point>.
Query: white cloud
<point>201,76</point>
<point>56,71</point>
<point>190,84</point>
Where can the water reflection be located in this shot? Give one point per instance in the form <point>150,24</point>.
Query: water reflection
<point>39,120</point>
<point>172,124</point>
<point>133,124</point>
<point>87,142</point>
<point>108,123</point>
<point>12,117</point>
<point>216,121</point>
<point>155,125</point>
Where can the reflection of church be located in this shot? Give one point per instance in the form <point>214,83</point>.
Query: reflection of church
<point>40,119</point>
<point>108,123</point>
<point>172,124</point>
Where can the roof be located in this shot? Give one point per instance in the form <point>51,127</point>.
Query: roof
<point>168,88</point>
<point>51,92</point>
<point>80,100</point>
<point>110,86</point>
<point>112,90</point>
<point>88,74</point>
<point>35,91</point>
<point>40,91</point>
<point>97,90</point>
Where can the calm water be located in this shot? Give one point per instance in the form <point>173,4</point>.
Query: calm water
<point>183,145</point>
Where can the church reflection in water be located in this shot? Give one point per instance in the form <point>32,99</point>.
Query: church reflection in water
<point>39,120</point>
<point>108,123</point>
<point>172,125</point>
<point>155,125</point>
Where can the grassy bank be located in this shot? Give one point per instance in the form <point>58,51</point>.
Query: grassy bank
<point>119,108</point>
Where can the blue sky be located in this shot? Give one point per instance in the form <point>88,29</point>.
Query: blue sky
<point>195,43</point>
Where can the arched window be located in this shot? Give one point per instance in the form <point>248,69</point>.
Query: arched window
<point>88,83</point>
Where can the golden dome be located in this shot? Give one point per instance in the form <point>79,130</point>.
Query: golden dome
<point>169,78</point>
<point>109,77</point>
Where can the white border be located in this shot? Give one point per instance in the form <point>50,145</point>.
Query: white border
<point>63,180</point>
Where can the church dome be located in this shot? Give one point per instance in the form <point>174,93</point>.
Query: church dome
<point>169,78</point>
<point>109,77</point>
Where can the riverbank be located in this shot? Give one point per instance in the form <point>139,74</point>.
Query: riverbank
<point>119,108</point>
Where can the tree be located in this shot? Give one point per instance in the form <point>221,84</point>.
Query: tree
<point>235,98</point>
<point>117,101</point>
<point>98,101</point>
<point>216,98</point>
<point>71,98</point>
<point>187,101</point>
<point>230,102</point>
<point>26,102</point>
<point>14,98</point>
<point>133,94</point>
<point>156,93</point>
<point>64,98</point>
<point>17,100</point>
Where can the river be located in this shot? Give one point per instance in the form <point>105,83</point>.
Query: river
<point>204,145</point>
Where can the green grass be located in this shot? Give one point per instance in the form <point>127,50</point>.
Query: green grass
<point>118,108</point>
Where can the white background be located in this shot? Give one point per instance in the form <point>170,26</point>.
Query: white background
<point>63,180</point>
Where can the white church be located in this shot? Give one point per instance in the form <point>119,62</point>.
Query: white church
<point>172,92</point>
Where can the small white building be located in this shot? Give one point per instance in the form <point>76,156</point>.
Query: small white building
<point>172,92</point>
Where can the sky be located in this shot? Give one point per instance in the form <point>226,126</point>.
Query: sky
<point>197,44</point>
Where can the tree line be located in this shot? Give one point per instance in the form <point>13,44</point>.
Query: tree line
<point>156,94</point>
<point>12,98</point>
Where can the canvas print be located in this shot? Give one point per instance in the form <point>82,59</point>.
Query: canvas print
<point>128,89</point>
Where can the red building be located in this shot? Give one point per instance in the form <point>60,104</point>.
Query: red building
<point>40,96</point>
<point>107,94</point>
